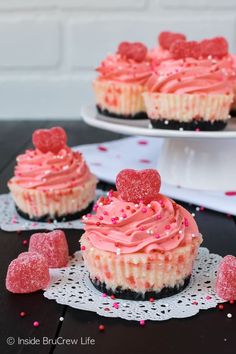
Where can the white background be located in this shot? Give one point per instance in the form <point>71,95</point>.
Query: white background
<point>49,48</point>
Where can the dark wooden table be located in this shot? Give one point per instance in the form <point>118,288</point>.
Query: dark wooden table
<point>209,332</point>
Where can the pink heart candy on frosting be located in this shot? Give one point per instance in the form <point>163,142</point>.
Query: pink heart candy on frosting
<point>135,186</point>
<point>53,246</point>
<point>27,273</point>
<point>53,139</point>
<point>226,278</point>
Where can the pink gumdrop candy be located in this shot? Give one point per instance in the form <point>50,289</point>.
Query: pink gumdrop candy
<point>53,246</point>
<point>226,278</point>
<point>27,273</point>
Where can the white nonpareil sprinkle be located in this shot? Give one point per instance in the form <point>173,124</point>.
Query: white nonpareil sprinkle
<point>118,251</point>
<point>193,214</point>
<point>229,315</point>
<point>61,319</point>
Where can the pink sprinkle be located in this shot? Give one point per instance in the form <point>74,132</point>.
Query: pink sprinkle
<point>25,242</point>
<point>144,161</point>
<point>89,215</point>
<point>194,303</point>
<point>124,216</point>
<point>104,295</point>
<point>167,227</point>
<point>95,208</point>
<point>36,324</point>
<point>144,210</point>
<point>142,142</point>
<point>158,217</point>
<point>230,193</point>
<point>197,130</point>
<point>158,236</point>
<point>208,297</point>
<point>83,248</point>
<point>122,210</point>
<point>113,221</point>
<point>202,208</point>
<point>100,217</point>
<point>142,323</point>
<point>110,193</point>
<point>102,148</point>
<point>105,213</point>
<point>186,222</point>
<point>116,305</point>
<point>141,228</point>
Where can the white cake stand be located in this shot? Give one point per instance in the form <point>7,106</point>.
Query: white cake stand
<point>196,160</point>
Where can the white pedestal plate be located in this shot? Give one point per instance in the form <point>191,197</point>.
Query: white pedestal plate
<point>196,160</point>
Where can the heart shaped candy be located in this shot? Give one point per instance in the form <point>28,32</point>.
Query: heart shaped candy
<point>53,246</point>
<point>185,49</point>
<point>53,139</point>
<point>215,47</point>
<point>166,39</point>
<point>135,186</point>
<point>27,273</point>
<point>136,51</point>
<point>226,278</point>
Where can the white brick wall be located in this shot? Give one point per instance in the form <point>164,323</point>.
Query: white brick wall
<point>48,48</point>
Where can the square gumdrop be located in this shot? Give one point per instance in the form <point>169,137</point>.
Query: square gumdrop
<point>226,278</point>
<point>53,246</point>
<point>27,273</point>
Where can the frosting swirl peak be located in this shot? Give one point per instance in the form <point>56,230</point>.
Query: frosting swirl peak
<point>193,76</point>
<point>116,67</point>
<point>45,171</point>
<point>124,227</point>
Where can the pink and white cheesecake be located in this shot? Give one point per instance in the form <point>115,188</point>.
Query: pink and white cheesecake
<point>52,182</point>
<point>194,89</point>
<point>118,88</point>
<point>139,244</point>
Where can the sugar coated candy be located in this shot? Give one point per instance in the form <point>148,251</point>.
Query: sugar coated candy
<point>53,246</point>
<point>27,273</point>
<point>226,278</point>
<point>135,186</point>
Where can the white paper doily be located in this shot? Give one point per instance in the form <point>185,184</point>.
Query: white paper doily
<point>10,220</point>
<point>71,286</point>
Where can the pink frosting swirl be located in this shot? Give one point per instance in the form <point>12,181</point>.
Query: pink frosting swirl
<point>206,76</point>
<point>117,68</point>
<point>43,171</point>
<point>159,54</point>
<point>124,227</point>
